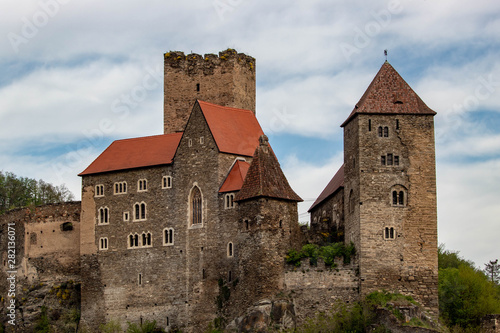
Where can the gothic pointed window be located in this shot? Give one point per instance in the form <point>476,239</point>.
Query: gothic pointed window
<point>196,206</point>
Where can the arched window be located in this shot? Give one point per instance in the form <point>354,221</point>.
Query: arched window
<point>142,185</point>
<point>168,236</point>
<point>230,250</point>
<point>166,182</point>
<point>103,243</point>
<point>139,211</point>
<point>103,215</point>
<point>399,196</point>
<point>229,200</point>
<point>380,131</point>
<point>386,132</point>
<point>389,233</point>
<point>196,206</point>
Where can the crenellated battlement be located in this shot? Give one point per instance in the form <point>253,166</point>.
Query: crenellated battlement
<point>194,63</point>
<point>226,79</point>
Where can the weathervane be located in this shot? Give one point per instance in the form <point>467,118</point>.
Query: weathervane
<point>385,53</point>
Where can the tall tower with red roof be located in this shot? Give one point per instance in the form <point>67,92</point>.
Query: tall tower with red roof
<point>390,189</point>
<point>227,79</point>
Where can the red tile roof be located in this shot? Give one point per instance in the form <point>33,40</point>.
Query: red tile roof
<point>265,177</point>
<point>389,93</point>
<point>235,177</point>
<point>236,131</point>
<point>136,153</point>
<point>333,186</point>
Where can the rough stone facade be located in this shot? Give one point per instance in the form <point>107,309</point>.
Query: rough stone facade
<point>47,255</point>
<point>227,79</point>
<point>389,190</point>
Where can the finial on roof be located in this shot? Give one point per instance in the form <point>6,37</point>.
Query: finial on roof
<point>263,140</point>
<point>385,53</point>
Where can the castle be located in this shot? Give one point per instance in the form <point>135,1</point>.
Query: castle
<point>194,225</point>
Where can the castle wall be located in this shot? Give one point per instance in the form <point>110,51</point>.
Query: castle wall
<point>46,240</point>
<point>315,289</point>
<point>227,79</point>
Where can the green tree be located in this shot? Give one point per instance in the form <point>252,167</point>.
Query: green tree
<point>465,293</point>
<point>16,192</point>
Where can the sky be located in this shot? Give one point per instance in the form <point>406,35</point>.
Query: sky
<point>66,64</point>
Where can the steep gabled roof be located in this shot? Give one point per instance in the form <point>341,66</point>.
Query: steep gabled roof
<point>265,177</point>
<point>236,131</point>
<point>235,178</point>
<point>389,93</point>
<point>333,186</point>
<point>136,153</point>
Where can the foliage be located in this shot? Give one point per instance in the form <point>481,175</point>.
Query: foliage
<point>328,253</point>
<point>451,259</point>
<point>146,327</point>
<point>42,325</point>
<point>465,293</point>
<point>492,270</point>
<point>16,192</point>
<point>110,327</point>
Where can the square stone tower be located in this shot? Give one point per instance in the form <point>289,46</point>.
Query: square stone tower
<point>390,189</point>
<point>227,80</point>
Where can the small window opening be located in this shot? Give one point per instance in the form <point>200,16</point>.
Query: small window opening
<point>281,223</point>
<point>230,249</point>
<point>140,281</point>
<point>382,160</point>
<point>386,132</point>
<point>197,87</point>
<point>229,276</point>
<point>396,160</point>
<point>203,275</point>
<point>380,131</point>
<point>369,125</point>
<point>246,224</point>
<point>397,124</point>
<point>389,159</point>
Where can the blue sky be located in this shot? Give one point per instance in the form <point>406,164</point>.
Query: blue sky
<point>67,66</point>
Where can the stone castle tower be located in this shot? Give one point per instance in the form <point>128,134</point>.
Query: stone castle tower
<point>227,79</point>
<point>390,189</point>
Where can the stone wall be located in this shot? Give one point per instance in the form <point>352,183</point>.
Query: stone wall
<point>317,288</point>
<point>47,255</point>
<point>226,79</point>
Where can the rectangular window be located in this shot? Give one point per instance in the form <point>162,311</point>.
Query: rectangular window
<point>369,125</point>
<point>120,187</point>
<point>389,159</point>
<point>382,160</point>
<point>126,216</point>
<point>142,185</point>
<point>202,140</point>
<point>396,160</point>
<point>397,124</point>
<point>139,279</point>
<point>103,243</point>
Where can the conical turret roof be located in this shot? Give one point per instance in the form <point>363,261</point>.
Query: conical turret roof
<point>265,177</point>
<point>389,93</point>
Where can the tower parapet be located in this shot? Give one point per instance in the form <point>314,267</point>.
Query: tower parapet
<point>226,79</point>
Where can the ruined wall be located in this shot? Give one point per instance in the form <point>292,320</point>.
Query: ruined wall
<point>45,240</point>
<point>227,79</point>
<point>398,236</point>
